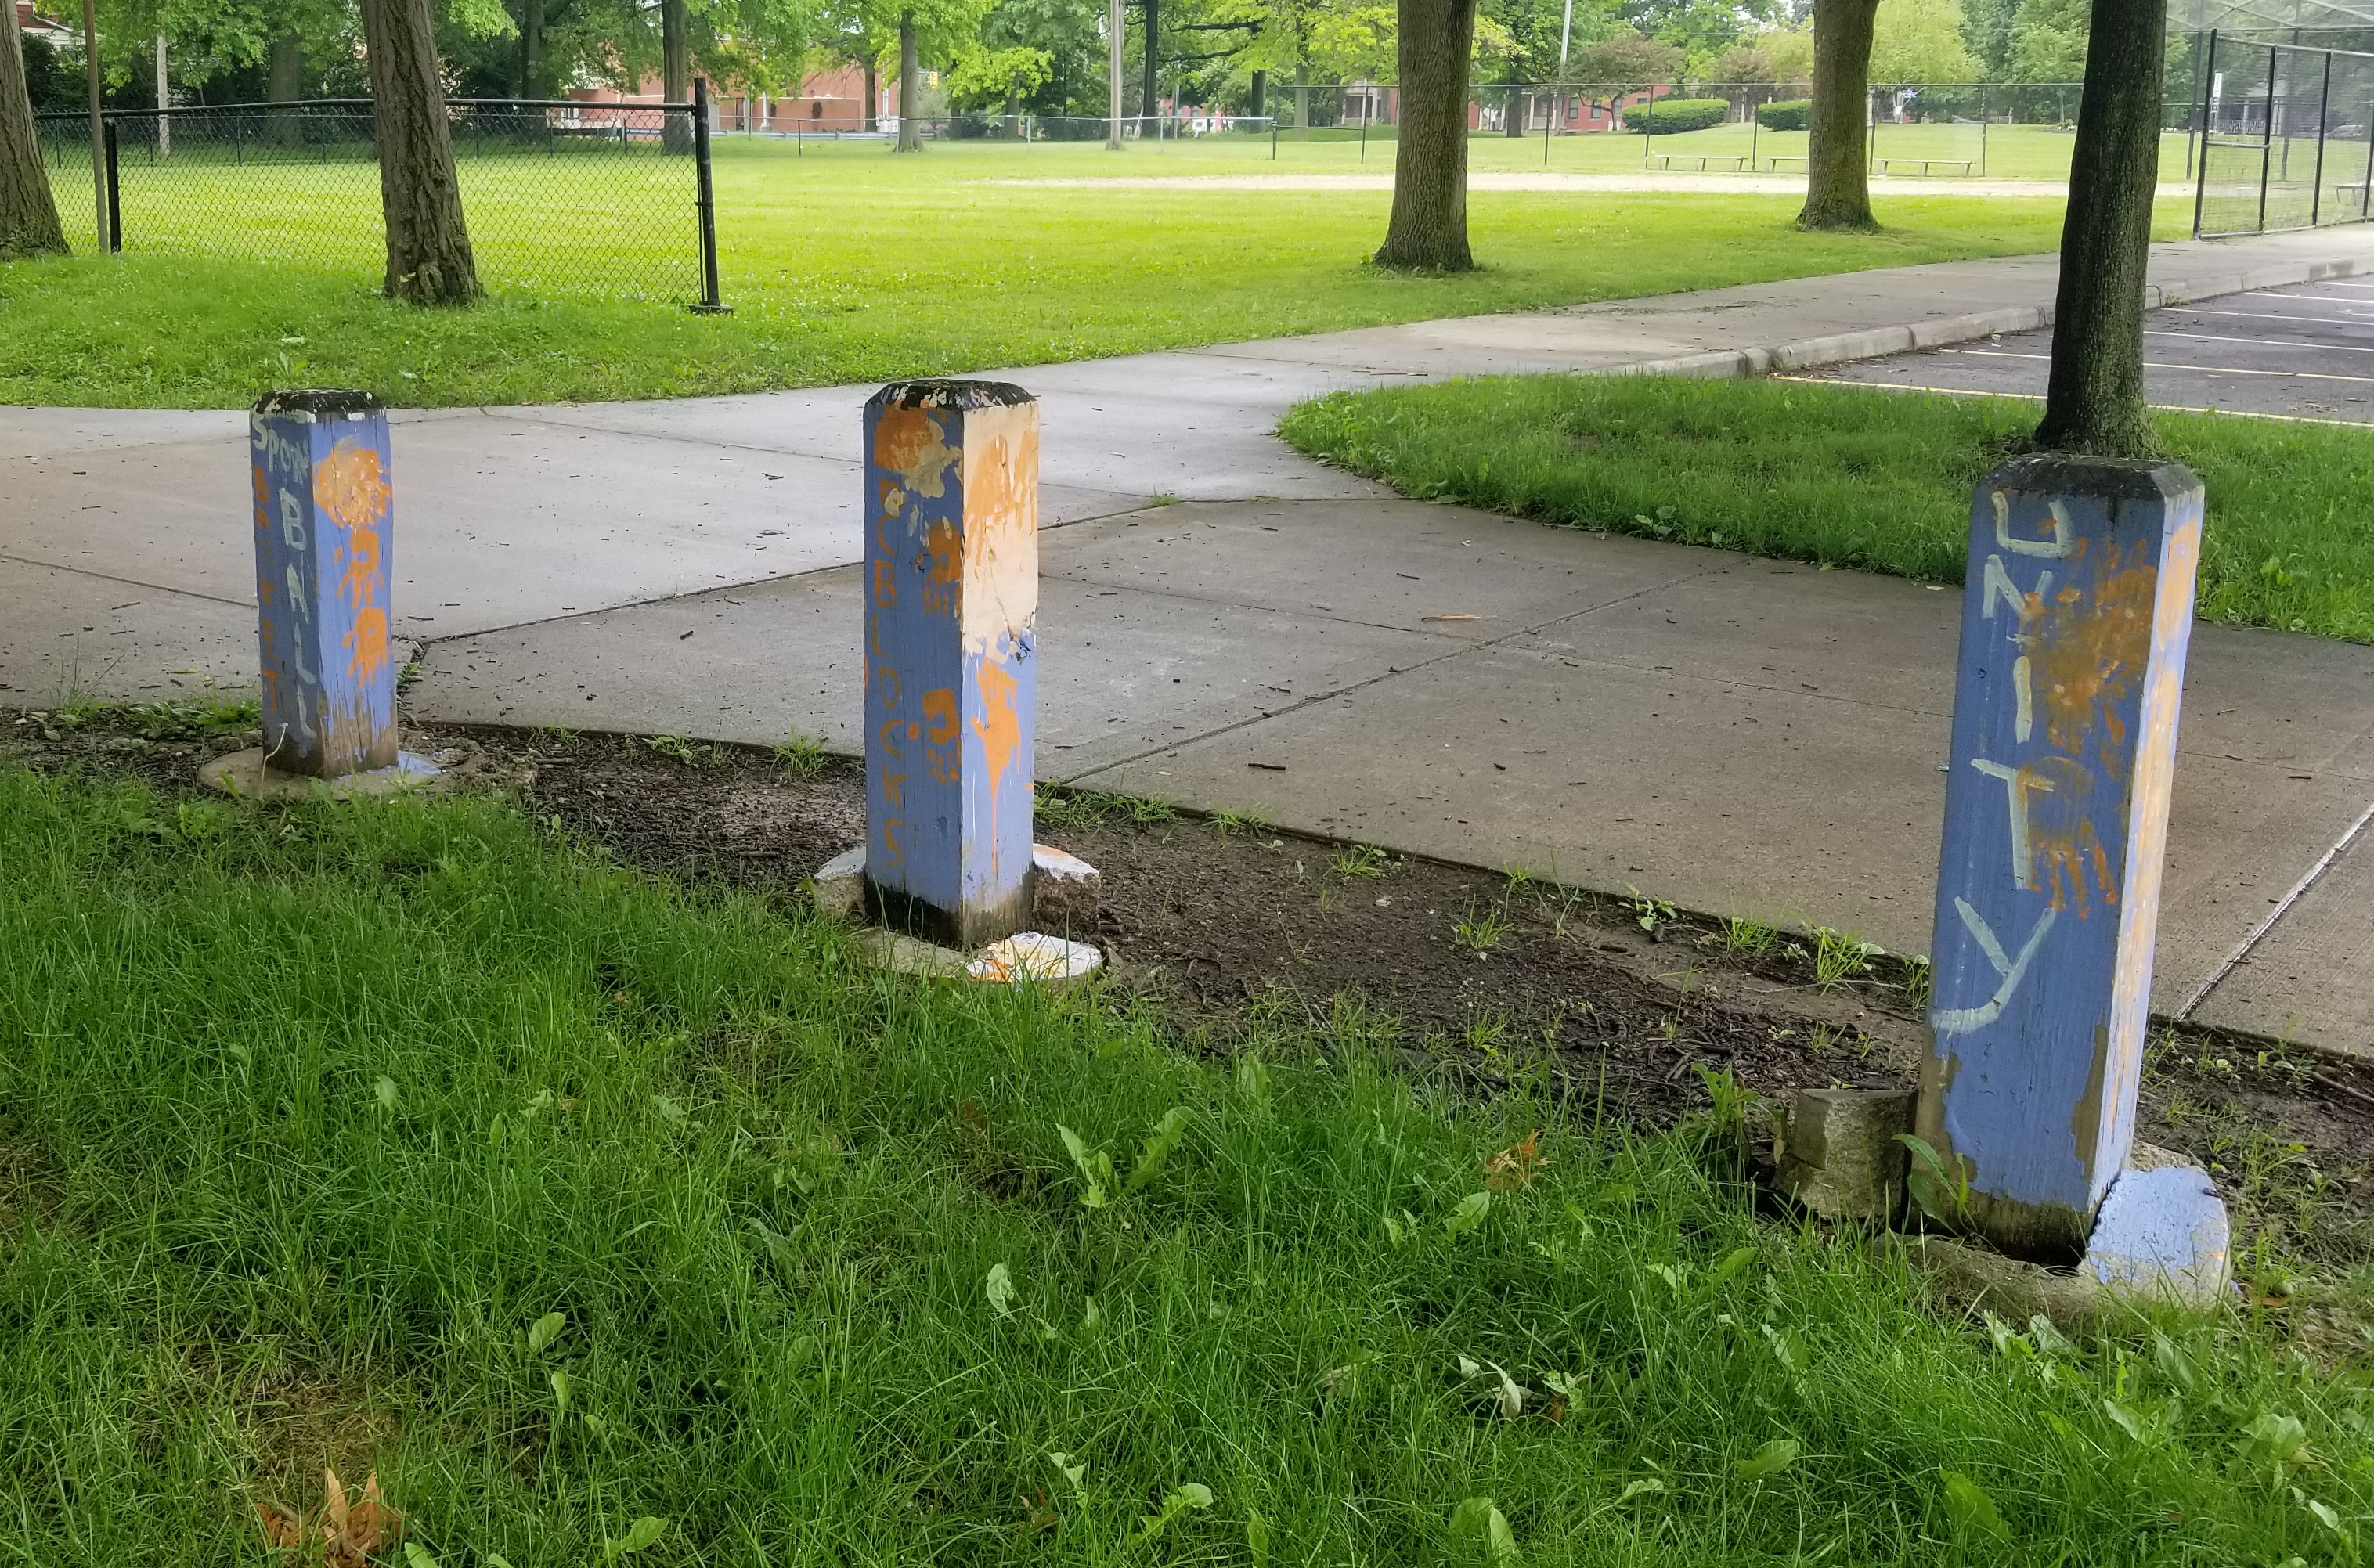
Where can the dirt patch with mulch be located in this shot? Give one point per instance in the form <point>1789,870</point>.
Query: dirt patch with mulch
<point>1230,925</point>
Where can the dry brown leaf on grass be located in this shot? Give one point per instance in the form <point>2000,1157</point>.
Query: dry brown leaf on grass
<point>350,1533</point>
<point>1516,1165</point>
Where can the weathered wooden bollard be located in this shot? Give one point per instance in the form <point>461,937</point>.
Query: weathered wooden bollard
<point>2074,627</point>
<point>951,586</point>
<point>325,516</point>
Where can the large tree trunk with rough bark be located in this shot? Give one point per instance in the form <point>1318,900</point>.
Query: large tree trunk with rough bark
<point>2094,402</point>
<point>1428,227</point>
<point>675,73</point>
<point>911,87</point>
<point>1837,171</point>
<point>283,82</point>
<point>29,213</point>
<point>429,260</point>
<point>1152,98</point>
<point>531,71</point>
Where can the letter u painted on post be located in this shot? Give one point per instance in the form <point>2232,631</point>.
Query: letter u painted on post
<point>2075,620</point>
<point>951,583</point>
<point>324,552</point>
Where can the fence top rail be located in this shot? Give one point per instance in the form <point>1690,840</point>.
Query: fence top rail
<point>2294,48</point>
<point>289,105</point>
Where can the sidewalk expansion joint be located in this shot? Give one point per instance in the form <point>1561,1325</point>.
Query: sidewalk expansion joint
<point>127,582</point>
<point>2259,932</point>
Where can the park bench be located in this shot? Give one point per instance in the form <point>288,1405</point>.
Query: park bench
<point>1964,164</point>
<point>1774,163</point>
<point>1702,160</point>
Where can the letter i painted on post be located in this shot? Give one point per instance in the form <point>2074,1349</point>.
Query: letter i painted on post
<point>324,518</point>
<point>2074,626</point>
<point>951,636</point>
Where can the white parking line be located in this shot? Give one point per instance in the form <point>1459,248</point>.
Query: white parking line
<point>2255,315</point>
<point>2148,365</point>
<point>2265,341</point>
<point>2039,397</point>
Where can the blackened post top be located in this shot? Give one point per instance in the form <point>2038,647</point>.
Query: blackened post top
<point>2105,478</point>
<point>320,403</point>
<point>941,393</point>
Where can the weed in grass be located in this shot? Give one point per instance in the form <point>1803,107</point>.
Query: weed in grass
<point>1162,499</point>
<point>1649,914</point>
<point>1092,808</point>
<point>692,753</point>
<point>1364,862</point>
<point>1842,956</point>
<point>1748,938</point>
<point>1919,984</point>
<point>759,1363</point>
<point>802,757</point>
<point>1480,933</point>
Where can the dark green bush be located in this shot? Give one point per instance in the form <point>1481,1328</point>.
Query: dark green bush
<point>1790,114</point>
<point>1674,116</point>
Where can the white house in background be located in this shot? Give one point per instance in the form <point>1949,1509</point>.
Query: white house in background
<point>55,34</point>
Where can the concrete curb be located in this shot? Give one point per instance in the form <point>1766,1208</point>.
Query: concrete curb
<point>1876,341</point>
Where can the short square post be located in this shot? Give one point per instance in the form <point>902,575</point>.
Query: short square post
<point>324,551</point>
<point>2075,621</point>
<point>951,628</point>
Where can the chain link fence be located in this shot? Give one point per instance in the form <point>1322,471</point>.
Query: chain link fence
<point>587,199</point>
<point>2287,137</point>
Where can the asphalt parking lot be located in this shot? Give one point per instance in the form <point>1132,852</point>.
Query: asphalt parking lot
<point>2302,352</point>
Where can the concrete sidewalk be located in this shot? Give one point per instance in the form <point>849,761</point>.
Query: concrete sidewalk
<point>1734,734</point>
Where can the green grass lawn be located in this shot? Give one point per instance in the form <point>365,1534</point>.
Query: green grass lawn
<point>848,264</point>
<point>409,1138</point>
<point>1846,476</point>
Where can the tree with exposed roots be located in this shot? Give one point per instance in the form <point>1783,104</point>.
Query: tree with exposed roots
<point>1837,182</point>
<point>1428,227</point>
<point>429,260</point>
<point>2094,401</point>
<point>29,213</point>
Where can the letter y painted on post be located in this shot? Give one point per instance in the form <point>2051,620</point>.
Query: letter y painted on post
<point>2011,971</point>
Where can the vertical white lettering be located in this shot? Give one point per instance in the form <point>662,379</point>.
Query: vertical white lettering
<point>2017,783</point>
<point>2009,972</point>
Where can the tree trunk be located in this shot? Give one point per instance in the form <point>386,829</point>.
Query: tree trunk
<point>1153,58</point>
<point>675,73</point>
<point>1428,227</point>
<point>873,99</point>
<point>911,87</point>
<point>1260,95</point>
<point>1301,96</point>
<point>531,73</point>
<point>2094,402</point>
<point>1838,174</point>
<point>28,213</point>
<point>1512,119</point>
<point>429,260</point>
<point>283,82</point>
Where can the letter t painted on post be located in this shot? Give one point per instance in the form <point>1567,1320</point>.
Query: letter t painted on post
<point>2056,832</point>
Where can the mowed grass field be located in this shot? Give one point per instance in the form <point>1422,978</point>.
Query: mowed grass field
<point>846,264</point>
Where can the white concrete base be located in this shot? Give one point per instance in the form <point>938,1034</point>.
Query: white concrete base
<point>246,773</point>
<point>1025,957</point>
<point>2162,1234</point>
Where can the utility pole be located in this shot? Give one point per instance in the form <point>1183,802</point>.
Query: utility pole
<point>1566,32</point>
<point>1115,23</point>
<point>164,124</point>
<point>1153,58</point>
<point>98,129</point>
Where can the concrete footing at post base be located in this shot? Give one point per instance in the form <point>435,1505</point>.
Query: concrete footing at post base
<point>247,773</point>
<point>2161,1239</point>
<point>1064,895</point>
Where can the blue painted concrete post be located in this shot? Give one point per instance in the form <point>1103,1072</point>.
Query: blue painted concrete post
<point>324,551</point>
<point>951,631</point>
<point>2074,626</point>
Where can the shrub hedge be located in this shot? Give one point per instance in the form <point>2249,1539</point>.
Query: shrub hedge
<point>1791,114</point>
<point>1674,116</point>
